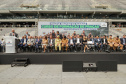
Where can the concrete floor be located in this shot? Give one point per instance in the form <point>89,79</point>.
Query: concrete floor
<point>52,74</point>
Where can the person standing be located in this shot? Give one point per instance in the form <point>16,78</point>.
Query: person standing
<point>0,45</point>
<point>84,33</point>
<point>60,35</point>
<point>13,33</point>
<point>74,34</point>
<point>27,34</point>
<point>53,34</point>
<point>3,45</point>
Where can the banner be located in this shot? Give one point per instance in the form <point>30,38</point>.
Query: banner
<point>96,28</point>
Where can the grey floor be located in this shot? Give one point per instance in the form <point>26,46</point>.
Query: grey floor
<point>52,74</point>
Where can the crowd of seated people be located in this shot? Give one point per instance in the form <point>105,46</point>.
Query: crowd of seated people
<point>56,42</point>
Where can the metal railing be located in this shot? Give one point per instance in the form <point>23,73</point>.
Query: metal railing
<point>18,26</point>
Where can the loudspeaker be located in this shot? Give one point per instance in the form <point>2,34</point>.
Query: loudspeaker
<point>107,66</point>
<point>70,66</point>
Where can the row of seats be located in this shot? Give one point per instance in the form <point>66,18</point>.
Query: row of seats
<point>62,4</point>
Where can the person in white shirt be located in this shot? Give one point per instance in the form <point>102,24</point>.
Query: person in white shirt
<point>30,43</point>
<point>2,45</point>
<point>51,43</point>
<point>78,43</point>
<point>71,43</point>
<point>104,43</point>
<point>27,34</point>
<point>13,33</point>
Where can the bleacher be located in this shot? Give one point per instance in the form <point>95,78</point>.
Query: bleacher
<point>118,4</point>
<point>10,3</point>
<point>117,31</point>
<point>62,4</point>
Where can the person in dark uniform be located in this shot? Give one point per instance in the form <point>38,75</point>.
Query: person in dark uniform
<point>110,43</point>
<point>84,33</point>
<point>58,34</point>
<point>64,43</point>
<point>74,34</point>
<point>53,34</point>
<point>117,44</point>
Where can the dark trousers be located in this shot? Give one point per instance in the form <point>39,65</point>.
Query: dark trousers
<point>78,46</point>
<point>50,48</point>
<point>0,48</point>
<point>105,47</point>
<point>30,48</point>
<point>124,47</point>
<point>91,46</point>
<point>97,47</point>
<point>24,47</point>
<point>38,47</point>
<point>72,48</point>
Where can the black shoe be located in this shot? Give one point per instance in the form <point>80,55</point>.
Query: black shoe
<point>121,50</point>
<point>60,51</point>
<point>107,51</point>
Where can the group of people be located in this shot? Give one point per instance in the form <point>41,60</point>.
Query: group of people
<point>73,43</point>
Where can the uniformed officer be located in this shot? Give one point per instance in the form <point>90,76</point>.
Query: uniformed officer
<point>64,43</point>
<point>110,42</point>
<point>117,44</point>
